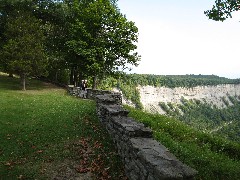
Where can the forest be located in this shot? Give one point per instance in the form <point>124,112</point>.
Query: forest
<point>207,118</point>
<point>65,40</point>
<point>173,81</point>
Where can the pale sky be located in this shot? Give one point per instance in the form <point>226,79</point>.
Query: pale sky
<point>175,37</point>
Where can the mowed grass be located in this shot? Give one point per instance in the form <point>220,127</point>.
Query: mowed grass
<point>44,132</point>
<point>213,157</point>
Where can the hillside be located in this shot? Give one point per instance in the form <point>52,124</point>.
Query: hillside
<point>213,157</point>
<point>50,135</point>
<point>206,102</point>
<point>46,134</point>
<point>213,109</point>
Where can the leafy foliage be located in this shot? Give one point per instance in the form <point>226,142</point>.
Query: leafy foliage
<point>86,39</point>
<point>173,81</point>
<point>23,52</point>
<point>223,9</point>
<point>208,118</point>
<point>101,38</point>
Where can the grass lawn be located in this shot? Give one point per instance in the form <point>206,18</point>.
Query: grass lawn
<point>46,134</point>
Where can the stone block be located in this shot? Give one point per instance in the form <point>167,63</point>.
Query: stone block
<point>91,94</point>
<point>131,128</point>
<point>160,160</point>
<point>105,99</point>
<point>134,175</point>
<point>113,110</point>
<point>150,177</point>
<point>142,168</point>
<point>101,94</point>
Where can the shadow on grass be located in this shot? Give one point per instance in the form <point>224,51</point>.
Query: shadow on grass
<point>14,83</point>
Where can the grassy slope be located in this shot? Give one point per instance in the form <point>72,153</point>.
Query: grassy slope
<point>43,131</point>
<point>213,157</point>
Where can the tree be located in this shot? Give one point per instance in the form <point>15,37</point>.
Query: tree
<point>56,18</point>
<point>24,52</point>
<point>223,9</point>
<point>52,17</point>
<point>90,37</point>
<point>102,39</point>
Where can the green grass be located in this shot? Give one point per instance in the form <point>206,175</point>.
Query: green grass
<point>43,130</point>
<point>213,157</point>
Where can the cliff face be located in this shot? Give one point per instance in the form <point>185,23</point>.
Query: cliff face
<point>213,95</point>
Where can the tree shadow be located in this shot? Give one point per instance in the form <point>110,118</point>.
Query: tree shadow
<point>14,83</point>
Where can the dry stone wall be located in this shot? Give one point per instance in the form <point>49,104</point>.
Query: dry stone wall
<point>144,157</point>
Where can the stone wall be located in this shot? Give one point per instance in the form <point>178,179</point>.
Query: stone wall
<point>144,157</point>
<point>76,91</point>
<point>73,91</point>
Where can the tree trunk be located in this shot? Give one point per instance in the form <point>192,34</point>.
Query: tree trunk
<point>10,75</point>
<point>76,76</point>
<point>56,76</point>
<point>71,76</point>
<point>94,84</point>
<point>23,81</point>
<point>80,78</point>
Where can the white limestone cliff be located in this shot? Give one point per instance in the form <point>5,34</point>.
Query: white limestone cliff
<point>151,96</point>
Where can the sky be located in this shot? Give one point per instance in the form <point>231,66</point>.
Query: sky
<point>176,38</point>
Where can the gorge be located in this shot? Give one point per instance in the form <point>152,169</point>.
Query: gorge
<point>213,95</point>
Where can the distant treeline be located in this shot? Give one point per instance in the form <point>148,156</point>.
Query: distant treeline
<point>173,81</point>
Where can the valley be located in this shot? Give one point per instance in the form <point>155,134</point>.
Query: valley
<point>213,95</point>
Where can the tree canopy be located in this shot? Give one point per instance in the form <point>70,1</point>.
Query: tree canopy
<point>101,38</point>
<point>87,38</point>
<point>23,53</point>
<point>223,9</point>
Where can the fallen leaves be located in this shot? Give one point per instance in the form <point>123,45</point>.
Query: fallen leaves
<point>88,156</point>
<point>39,151</point>
<point>92,160</point>
<point>97,145</point>
<point>20,177</point>
<point>9,165</point>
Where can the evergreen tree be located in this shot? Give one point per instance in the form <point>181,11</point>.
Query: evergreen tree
<point>23,52</point>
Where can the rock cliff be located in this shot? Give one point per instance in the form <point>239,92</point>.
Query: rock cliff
<point>213,95</point>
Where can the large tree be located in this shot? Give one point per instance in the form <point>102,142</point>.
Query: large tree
<point>223,9</point>
<point>102,39</point>
<point>52,17</point>
<point>90,37</point>
<point>23,52</point>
